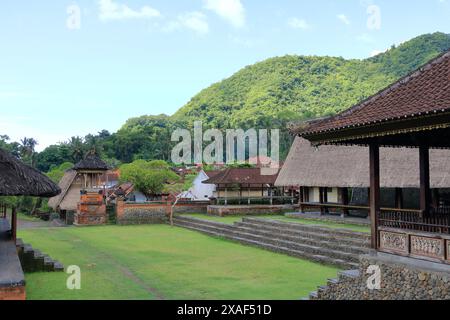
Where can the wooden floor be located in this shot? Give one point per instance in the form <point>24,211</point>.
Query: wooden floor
<point>11,274</point>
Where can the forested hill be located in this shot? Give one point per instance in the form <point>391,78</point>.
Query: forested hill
<point>299,87</point>
<point>267,94</point>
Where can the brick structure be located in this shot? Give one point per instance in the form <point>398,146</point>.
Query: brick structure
<point>13,293</point>
<point>91,210</point>
<point>223,211</point>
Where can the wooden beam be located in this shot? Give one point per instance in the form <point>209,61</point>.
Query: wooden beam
<point>374,156</point>
<point>425,191</point>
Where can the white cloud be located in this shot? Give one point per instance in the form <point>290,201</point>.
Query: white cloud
<point>296,23</point>
<point>231,10</point>
<point>344,19</point>
<point>111,10</point>
<point>195,21</point>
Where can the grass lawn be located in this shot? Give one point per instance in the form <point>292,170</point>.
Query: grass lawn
<point>233,219</point>
<point>163,262</point>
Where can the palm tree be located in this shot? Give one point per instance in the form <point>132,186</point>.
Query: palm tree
<point>27,150</point>
<point>76,148</point>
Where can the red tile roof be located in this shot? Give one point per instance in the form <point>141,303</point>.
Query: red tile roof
<point>425,91</point>
<point>242,176</point>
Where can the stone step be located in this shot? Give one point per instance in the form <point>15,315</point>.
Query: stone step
<point>315,235</point>
<point>313,295</point>
<point>262,244</point>
<point>311,239</point>
<point>34,260</point>
<point>303,227</point>
<point>276,241</point>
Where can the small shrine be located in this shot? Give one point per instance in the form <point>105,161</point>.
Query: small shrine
<point>91,210</point>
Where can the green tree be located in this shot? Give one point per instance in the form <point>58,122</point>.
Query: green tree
<point>149,177</point>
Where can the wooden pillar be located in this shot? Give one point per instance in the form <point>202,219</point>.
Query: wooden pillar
<point>14,224</point>
<point>226,195</point>
<point>374,151</point>
<point>321,200</point>
<point>399,203</point>
<point>302,199</point>
<point>425,191</point>
<point>344,198</point>
<point>325,199</point>
<point>248,192</point>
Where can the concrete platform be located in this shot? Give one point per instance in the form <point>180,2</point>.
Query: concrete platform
<point>12,278</point>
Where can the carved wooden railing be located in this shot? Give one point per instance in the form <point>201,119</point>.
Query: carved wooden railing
<point>436,221</point>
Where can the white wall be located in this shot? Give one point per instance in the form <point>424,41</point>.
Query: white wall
<point>200,190</point>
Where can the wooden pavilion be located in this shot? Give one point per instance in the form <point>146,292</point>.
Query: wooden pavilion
<point>334,178</point>
<point>244,185</point>
<point>16,179</point>
<point>415,113</point>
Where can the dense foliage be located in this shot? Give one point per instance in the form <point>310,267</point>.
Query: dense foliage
<point>149,177</point>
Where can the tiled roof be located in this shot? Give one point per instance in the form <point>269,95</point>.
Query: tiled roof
<point>242,176</point>
<point>425,91</point>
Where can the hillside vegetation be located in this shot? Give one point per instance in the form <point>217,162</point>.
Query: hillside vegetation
<point>268,94</point>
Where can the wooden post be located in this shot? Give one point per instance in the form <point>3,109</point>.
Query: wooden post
<point>399,204</point>
<point>344,198</point>
<point>248,192</point>
<point>425,191</point>
<point>14,224</point>
<point>226,195</point>
<point>321,201</point>
<point>374,151</point>
<point>302,199</point>
<point>325,199</point>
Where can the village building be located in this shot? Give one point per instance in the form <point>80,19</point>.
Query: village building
<point>411,247</point>
<point>200,191</point>
<point>243,184</point>
<point>82,185</point>
<point>16,179</point>
<point>334,178</point>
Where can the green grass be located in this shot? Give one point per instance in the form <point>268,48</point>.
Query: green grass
<point>147,262</point>
<point>233,219</point>
<point>25,217</point>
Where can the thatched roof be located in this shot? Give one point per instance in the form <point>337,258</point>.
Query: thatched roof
<point>18,179</point>
<point>348,166</point>
<point>91,162</point>
<point>64,184</point>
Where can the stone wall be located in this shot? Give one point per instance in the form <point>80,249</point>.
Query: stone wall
<point>152,213</point>
<point>401,279</point>
<point>223,211</point>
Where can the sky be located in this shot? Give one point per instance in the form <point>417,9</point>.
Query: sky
<point>71,68</point>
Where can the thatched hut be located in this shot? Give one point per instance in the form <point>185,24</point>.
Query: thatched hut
<point>325,172</point>
<point>86,174</point>
<point>17,179</point>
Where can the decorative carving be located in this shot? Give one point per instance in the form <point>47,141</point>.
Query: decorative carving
<point>428,247</point>
<point>394,241</point>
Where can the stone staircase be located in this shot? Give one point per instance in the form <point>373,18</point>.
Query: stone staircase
<point>328,246</point>
<point>33,260</point>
